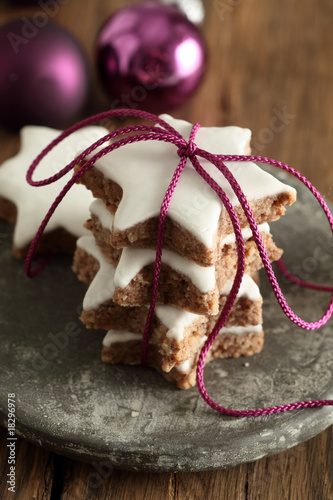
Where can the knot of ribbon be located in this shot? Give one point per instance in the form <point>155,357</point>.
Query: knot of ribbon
<point>162,131</point>
<point>188,149</point>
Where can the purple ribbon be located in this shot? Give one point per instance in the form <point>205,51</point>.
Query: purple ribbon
<point>187,150</point>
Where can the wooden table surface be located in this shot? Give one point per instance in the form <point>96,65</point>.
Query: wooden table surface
<point>270,69</point>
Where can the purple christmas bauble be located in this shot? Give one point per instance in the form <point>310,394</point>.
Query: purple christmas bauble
<point>150,56</point>
<point>44,74</point>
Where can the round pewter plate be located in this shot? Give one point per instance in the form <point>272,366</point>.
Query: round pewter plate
<point>70,402</point>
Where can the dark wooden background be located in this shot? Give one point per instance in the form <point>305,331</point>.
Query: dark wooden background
<point>267,58</point>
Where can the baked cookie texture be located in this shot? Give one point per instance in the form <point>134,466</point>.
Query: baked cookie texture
<point>131,181</point>
<point>176,333</point>
<point>182,283</point>
<point>123,347</point>
<point>25,206</point>
<point>199,257</point>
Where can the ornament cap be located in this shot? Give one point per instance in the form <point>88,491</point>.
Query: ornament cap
<point>193,9</point>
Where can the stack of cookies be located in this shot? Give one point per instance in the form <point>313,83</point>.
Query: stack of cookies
<point>199,258</point>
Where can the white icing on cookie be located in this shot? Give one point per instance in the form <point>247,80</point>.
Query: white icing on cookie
<point>100,211</point>
<point>248,288</point>
<point>133,260</point>
<point>247,234</point>
<point>144,170</point>
<point>33,202</point>
<point>124,336</point>
<point>98,208</point>
<point>115,336</point>
<point>238,330</point>
<point>176,320</point>
<point>233,330</point>
<point>102,287</point>
<point>188,364</point>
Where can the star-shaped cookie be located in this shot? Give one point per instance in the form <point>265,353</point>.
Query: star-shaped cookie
<point>26,205</point>
<point>196,221</point>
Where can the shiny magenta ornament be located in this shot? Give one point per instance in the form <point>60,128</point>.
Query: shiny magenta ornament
<point>43,76</point>
<point>150,56</point>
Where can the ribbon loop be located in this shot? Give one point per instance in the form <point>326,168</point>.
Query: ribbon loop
<point>188,149</point>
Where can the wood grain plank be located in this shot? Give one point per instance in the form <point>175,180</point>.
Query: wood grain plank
<point>9,145</point>
<point>270,70</point>
<point>302,473</point>
<point>33,470</point>
<point>100,480</point>
<point>220,484</point>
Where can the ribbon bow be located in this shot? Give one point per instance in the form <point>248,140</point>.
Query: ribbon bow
<point>162,131</point>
